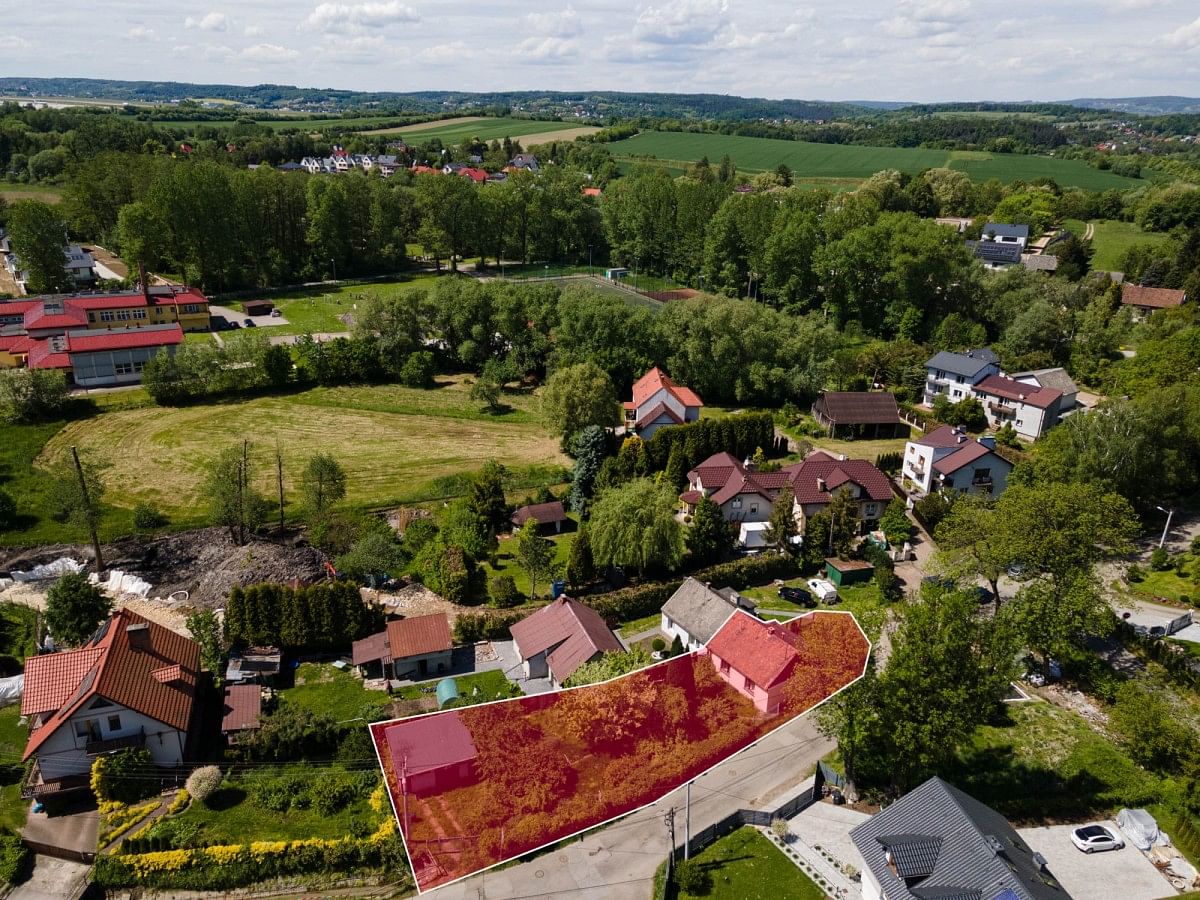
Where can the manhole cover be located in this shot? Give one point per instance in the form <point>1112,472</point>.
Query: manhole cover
<point>562,857</point>
<point>539,874</point>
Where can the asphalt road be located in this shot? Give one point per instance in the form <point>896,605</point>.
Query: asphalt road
<point>620,860</point>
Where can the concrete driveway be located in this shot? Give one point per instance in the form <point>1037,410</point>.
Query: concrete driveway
<point>1124,873</point>
<point>52,879</point>
<point>237,317</point>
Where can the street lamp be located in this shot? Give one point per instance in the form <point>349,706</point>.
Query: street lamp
<point>333,262</point>
<point>1166,528</point>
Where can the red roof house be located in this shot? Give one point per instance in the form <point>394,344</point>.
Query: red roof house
<point>550,516</point>
<point>559,638</point>
<point>131,685</point>
<point>659,401</point>
<point>1030,408</point>
<point>431,753</point>
<point>1145,300</point>
<point>413,648</point>
<point>755,658</point>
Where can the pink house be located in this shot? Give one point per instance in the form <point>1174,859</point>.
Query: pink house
<point>755,658</point>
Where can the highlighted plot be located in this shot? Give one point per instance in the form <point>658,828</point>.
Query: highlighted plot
<point>475,787</point>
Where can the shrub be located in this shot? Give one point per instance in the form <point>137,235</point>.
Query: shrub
<point>1134,574</point>
<point>690,878</point>
<point>502,592</point>
<point>889,462</point>
<point>658,645</point>
<point>203,782</point>
<point>331,792</point>
<point>147,517</point>
<point>279,793</point>
<point>418,369</point>
<point>13,858</point>
<point>780,828</point>
<point>1160,559</point>
<point>126,776</point>
<point>472,627</point>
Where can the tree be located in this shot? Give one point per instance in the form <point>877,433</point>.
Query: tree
<point>894,522</point>
<point>580,567</point>
<point>203,782</point>
<point>31,395</point>
<point>782,526</point>
<point>487,499</point>
<point>375,553</point>
<point>578,396</point>
<point>205,630</point>
<point>39,238</point>
<point>677,467</point>
<point>78,498</point>
<point>634,525</point>
<point>139,234</point>
<point>534,553</point>
<point>709,537</point>
<point>487,387</point>
<point>590,450</point>
<point>322,483</point>
<point>75,608</point>
<point>1054,617</point>
<point>121,776</point>
<point>970,543</point>
<point>232,498</point>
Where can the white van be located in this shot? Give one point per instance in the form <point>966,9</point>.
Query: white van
<point>823,590</point>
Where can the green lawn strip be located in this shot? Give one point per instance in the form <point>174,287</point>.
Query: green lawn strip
<point>449,399</point>
<point>230,817</point>
<point>491,685</point>
<point>13,737</point>
<point>1112,239</point>
<point>507,563</point>
<point>1046,764</point>
<point>1168,583</point>
<point>868,450</point>
<point>198,337</point>
<point>745,865</point>
<point>332,692</point>
<point>317,309</point>
<point>629,629</point>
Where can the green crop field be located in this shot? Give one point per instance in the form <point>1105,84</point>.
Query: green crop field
<point>811,162</point>
<point>486,129</point>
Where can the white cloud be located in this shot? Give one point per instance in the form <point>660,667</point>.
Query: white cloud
<point>357,17</point>
<point>13,42</point>
<point>1186,37</point>
<point>685,22</point>
<point>269,53</point>
<point>140,33</point>
<point>214,21</point>
<point>445,54</point>
<point>547,49</point>
<point>562,24</point>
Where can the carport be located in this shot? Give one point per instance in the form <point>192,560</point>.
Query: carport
<point>1124,873</point>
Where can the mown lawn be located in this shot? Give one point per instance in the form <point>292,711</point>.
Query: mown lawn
<point>13,737</point>
<point>478,687</point>
<point>862,600</point>
<point>507,563</point>
<point>1112,239</point>
<point>332,692</point>
<point>745,865</point>
<point>397,445</point>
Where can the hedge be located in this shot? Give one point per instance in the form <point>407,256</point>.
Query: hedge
<point>485,626</point>
<point>740,435</point>
<point>14,858</point>
<point>328,615</point>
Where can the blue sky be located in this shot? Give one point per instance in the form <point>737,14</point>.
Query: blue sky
<point>919,50</point>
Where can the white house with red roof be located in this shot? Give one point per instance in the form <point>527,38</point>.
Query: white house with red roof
<point>746,495</point>
<point>559,638</point>
<point>1031,409</point>
<point>948,459</point>
<point>416,647</point>
<point>132,684</point>
<point>755,658</point>
<point>659,401</point>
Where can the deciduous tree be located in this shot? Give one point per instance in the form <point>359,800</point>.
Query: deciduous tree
<point>634,525</point>
<point>322,484</point>
<point>534,553</point>
<point>578,396</point>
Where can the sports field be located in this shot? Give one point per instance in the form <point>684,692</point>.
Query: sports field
<point>397,444</point>
<point>810,162</point>
<point>486,129</point>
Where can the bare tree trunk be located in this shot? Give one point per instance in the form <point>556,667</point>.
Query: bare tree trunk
<point>279,476</point>
<point>88,511</point>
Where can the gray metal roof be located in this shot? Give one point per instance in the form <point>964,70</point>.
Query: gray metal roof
<point>975,852</point>
<point>968,364</point>
<point>1006,229</point>
<point>699,609</point>
<point>1056,378</point>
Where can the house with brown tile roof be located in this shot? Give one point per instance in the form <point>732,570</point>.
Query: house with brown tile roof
<point>550,516</point>
<point>659,401</point>
<point>1145,300</point>
<point>414,648</point>
<point>859,414</point>
<point>132,684</point>
<point>559,638</point>
<point>949,459</point>
<point>1031,409</point>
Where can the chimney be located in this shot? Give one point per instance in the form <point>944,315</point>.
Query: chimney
<point>138,635</point>
<point>961,438</point>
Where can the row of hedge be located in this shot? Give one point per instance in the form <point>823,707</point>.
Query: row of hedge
<point>237,865</point>
<point>740,435</point>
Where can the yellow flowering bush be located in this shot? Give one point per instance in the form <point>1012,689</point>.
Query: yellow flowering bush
<point>116,817</point>
<point>385,830</point>
<point>378,799</point>
<point>144,864</point>
<point>224,854</point>
<point>260,850</point>
<point>108,807</point>
<point>180,801</point>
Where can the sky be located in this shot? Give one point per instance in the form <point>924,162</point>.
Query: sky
<point>911,50</point>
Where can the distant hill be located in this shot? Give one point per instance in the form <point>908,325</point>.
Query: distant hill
<point>1142,106</point>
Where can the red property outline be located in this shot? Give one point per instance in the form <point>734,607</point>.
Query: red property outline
<point>693,705</point>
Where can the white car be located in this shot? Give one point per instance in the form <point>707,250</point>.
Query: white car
<point>1092,838</point>
<point>823,590</point>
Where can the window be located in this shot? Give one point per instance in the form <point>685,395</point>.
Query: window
<point>737,502</point>
<point>939,374</point>
<point>123,368</point>
<point>122,315</point>
<point>81,728</point>
<point>724,667</point>
<point>91,317</point>
<point>106,315</point>
<point>753,509</point>
<point>192,308</point>
<point>959,379</point>
<point>1019,423</point>
<point>956,393</point>
<point>114,723</point>
<point>748,684</point>
<point>870,510</point>
<point>139,314</point>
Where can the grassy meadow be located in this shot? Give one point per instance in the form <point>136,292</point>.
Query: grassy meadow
<point>1112,239</point>
<point>811,162</point>
<point>454,131</point>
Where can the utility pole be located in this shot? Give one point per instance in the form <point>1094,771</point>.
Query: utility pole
<point>243,485</point>
<point>88,512</point>
<point>1166,528</point>
<point>687,824</point>
<point>404,792</point>
<point>669,821</point>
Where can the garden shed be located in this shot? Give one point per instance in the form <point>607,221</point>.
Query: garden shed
<point>845,572</point>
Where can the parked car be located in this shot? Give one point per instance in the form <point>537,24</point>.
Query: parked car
<point>1016,571</point>
<point>797,595</point>
<point>823,590</point>
<point>942,581</point>
<point>248,323</point>
<point>1093,838</point>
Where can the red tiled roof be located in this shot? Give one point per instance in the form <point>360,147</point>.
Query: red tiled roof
<point>804,476</point>
<point>741,484</point>
<point>50,679</point>
<point>858,407</point>
<point>943,436</point>
<point>575,631</point>
<point>122,672</point>
<point>428,743</point>
<point>762,652</point>
<point>167,674</point>
<point>1151,297</point>
<point>591,192</point>
<point>369,649</point>
<point>130,300</point>
<point>999,386</point>
<point>43,356</point>
<point>545,513</point>
<point>690,497</point>
<point>477,175</point>
<point>716,470</point>
<point>17,307</point>
<point>655,380</point>
<point>124,339</point>
<point>70,317</point>
<point>243,706</point>
<point>16,343</point>
<point>418,635</point>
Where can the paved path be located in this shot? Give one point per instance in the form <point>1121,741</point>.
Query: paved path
<point>52,879</point>
<point>619,861</point>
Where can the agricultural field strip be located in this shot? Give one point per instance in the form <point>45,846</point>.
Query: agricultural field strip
<point>485,129</point>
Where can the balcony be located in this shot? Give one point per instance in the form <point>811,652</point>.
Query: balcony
<point>1001,409</point>
<point>37,786</point>
<point>97,748</point>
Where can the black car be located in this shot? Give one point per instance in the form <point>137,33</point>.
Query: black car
<point>983,595</point>
<point>798,595</point>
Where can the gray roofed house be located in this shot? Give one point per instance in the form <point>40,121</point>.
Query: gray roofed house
<point>937,842</point>
<point>968,364</point>
<point>1040,262</point>
<point>994,253</point>
<point>696,611</point>
<point>1006,232</point>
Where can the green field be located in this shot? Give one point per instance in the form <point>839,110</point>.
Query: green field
<point>486,129</point>
<point>810,161</point>
<point>1112,239</point>
<point>317,310</point>
<point>397,444</point>
<point>47,193</point>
